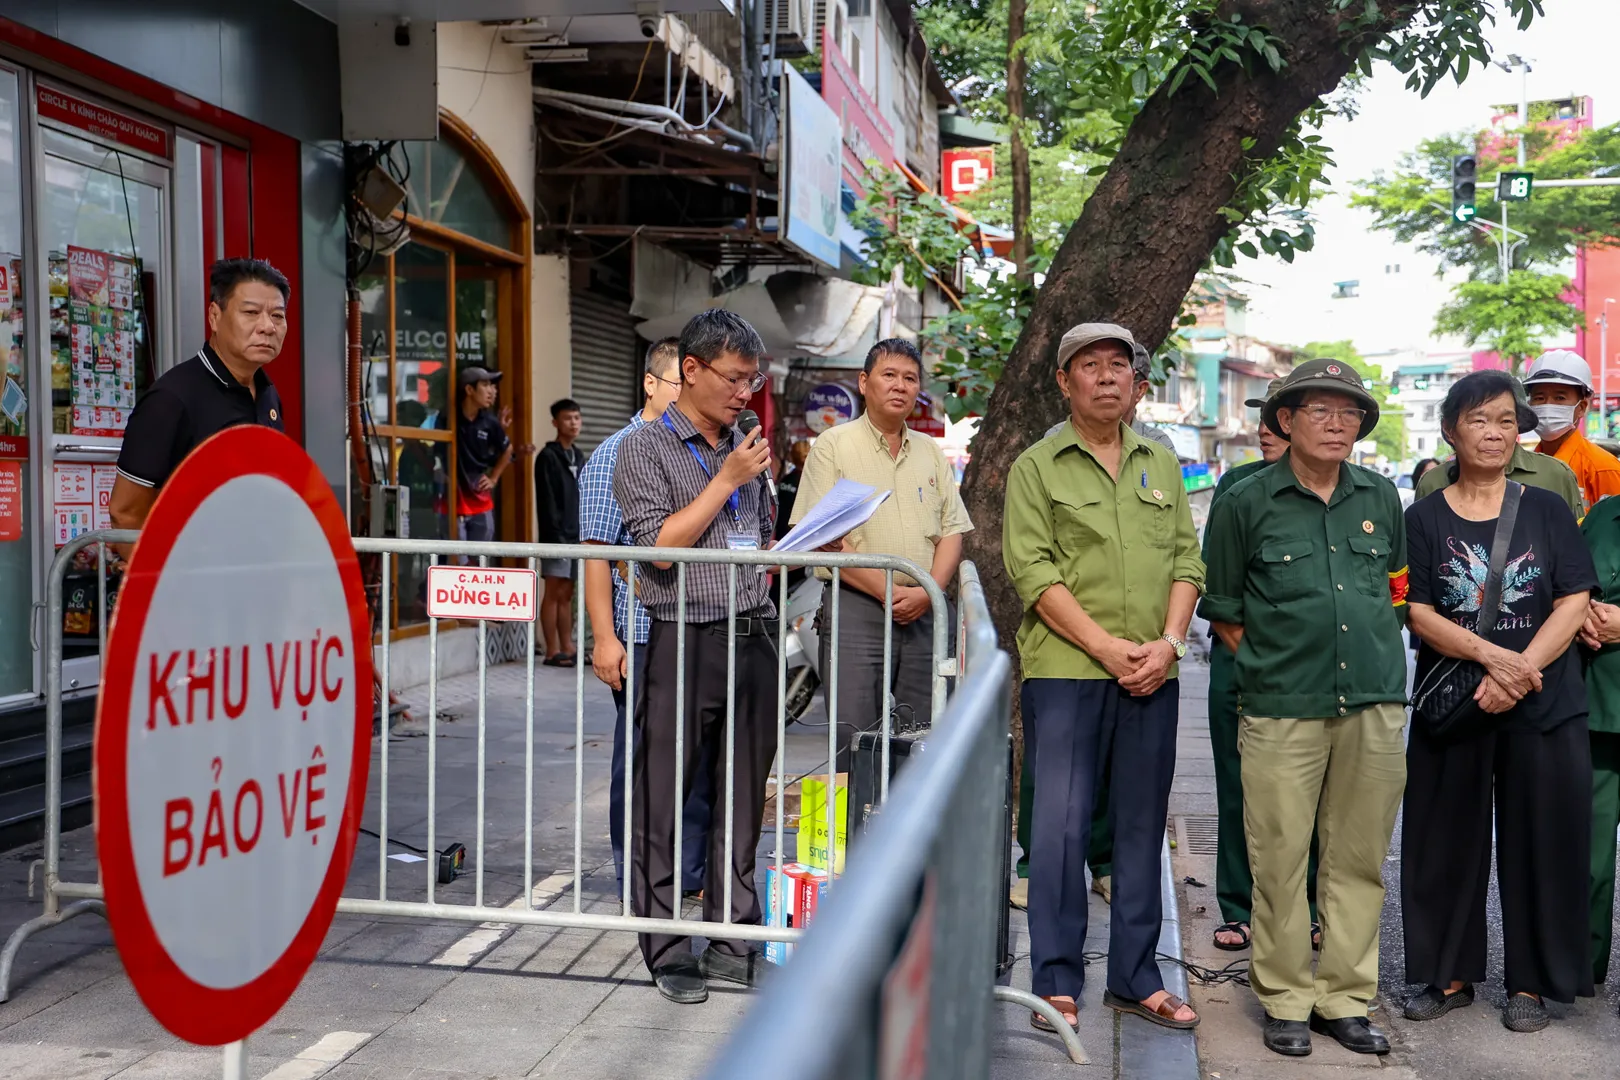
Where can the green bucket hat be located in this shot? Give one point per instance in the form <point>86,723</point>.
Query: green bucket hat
<point>1329,376</point>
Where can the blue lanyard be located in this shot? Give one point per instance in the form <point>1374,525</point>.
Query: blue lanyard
<point>734,504</point>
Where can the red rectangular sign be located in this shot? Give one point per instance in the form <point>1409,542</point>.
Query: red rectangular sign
<point>101,121</point>
<point>962,172</point>
<point>14,447</point>
<point>867,136</point>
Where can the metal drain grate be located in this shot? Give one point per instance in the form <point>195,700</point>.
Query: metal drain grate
<point>1196,833</point>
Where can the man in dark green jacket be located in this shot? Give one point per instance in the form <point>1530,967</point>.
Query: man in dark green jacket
<point>1307,585</point>
<point>1234,885</point>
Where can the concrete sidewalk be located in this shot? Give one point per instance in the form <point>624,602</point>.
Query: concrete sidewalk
<point>398,999</point>
<point>1583,1041</point>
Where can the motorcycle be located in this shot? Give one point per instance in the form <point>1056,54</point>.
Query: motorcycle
<point>803,647</point>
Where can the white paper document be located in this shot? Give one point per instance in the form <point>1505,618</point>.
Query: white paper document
<point>846,507</point>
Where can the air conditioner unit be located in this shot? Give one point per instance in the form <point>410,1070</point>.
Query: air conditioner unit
<point>794,23</point>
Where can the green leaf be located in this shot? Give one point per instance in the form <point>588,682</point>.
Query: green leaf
<point>1248,249</point>
<point>1139,82</point>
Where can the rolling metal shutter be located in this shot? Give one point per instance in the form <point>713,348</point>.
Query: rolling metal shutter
<point>607,359</point>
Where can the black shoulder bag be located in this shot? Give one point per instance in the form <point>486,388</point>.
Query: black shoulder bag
<point>1443,706</point>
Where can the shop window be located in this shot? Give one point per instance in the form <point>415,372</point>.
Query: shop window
<point>448,299</point>
<point>443,187</point>
<point>17,394</point>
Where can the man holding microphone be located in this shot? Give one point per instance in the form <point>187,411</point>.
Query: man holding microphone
<point>692,479</point>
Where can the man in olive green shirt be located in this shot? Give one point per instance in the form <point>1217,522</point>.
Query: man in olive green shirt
<point>1307,586</point>
<point>1601,635</point>
<point>1098,540</point>
<point>1527,468</point>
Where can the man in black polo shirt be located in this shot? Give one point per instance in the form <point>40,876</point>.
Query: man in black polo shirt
<point>222,386</point>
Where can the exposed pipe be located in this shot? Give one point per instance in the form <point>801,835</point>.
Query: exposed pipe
<point>357,428</point>
<point>647,116</point>
<point>634,108</point>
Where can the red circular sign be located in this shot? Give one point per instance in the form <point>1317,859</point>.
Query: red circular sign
<point>229,781</point>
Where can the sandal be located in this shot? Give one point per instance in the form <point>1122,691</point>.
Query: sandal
<point>1065,1007</point>
<point>1234,927</point>
<point>1524,1013</point>
<point>1164,1015</point>
<point>555,660</point>
<point>1435,1002</point>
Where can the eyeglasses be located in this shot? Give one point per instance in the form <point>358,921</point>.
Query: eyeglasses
<point>1320,414</point>
<point>753,382</point>
<point>666,382</point>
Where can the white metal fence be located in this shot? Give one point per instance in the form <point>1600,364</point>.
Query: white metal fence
<point>65,899</point>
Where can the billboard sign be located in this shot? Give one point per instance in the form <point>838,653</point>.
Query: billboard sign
<point>810,197</point>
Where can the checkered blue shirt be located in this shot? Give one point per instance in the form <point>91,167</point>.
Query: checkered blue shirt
<point>601,521</point>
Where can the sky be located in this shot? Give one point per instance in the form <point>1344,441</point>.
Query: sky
<point>1572,53</point>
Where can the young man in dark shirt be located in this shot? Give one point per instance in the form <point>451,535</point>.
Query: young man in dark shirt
<point>556,482</point>
<point>483,451</point>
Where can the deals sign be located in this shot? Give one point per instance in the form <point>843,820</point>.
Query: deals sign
<point>233,735</point>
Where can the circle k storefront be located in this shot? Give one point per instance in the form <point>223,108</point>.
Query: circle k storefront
<point>135,149</point>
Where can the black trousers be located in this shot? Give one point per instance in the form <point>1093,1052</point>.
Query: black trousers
<point>861,694</point>
<point>704,720</point>
<point>699,808</point>
<point>1081,727</point>
<point>1542,782</point>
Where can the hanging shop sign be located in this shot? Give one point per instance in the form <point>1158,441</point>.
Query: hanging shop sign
<point>867,136</point>
<point>962,172</point>
<point>98,120</point>
<point>829,405</point>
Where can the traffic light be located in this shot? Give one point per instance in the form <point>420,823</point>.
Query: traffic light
<point>1514,186</point>
<point>1464,168</point>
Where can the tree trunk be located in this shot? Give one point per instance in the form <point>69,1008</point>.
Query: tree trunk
<point>1016,67</point>
<point>1148,229</point>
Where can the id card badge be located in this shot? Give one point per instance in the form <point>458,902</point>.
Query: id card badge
<point>742,541</point>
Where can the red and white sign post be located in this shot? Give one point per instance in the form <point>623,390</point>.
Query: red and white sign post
<point>233,736</point>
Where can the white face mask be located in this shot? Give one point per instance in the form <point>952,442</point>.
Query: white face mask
<point>1554,420</point>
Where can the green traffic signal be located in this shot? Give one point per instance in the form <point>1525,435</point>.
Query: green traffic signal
<point>1464,171</point>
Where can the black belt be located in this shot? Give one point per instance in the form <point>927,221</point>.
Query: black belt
<point>746,626</point>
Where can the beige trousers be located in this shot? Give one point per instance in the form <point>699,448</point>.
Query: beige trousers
<point>1345,776</point>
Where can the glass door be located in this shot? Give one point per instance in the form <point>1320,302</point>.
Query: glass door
<point>20,395</point>
<point>104,249</point>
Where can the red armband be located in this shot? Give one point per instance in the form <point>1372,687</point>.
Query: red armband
<point>1399,584</point>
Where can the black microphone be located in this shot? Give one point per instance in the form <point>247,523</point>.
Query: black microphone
<point>747,421</point>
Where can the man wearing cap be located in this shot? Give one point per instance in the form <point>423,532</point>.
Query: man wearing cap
<point>1100,856</point>
<point>1560,387</point>
<point>1307,587</point>
<point>483,451</point>
<point>1098,540</point>
<point>1234,885</point>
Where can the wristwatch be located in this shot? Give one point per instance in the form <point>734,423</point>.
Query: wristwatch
<point>1178,645</point>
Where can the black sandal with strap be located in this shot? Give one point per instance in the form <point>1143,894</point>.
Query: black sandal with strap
<point>1233,927</point>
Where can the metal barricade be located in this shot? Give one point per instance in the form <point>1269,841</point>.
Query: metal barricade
<point>85,896</point>
<point>896,976</point>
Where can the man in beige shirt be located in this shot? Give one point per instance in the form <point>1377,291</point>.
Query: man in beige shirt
<point>922,521</point>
